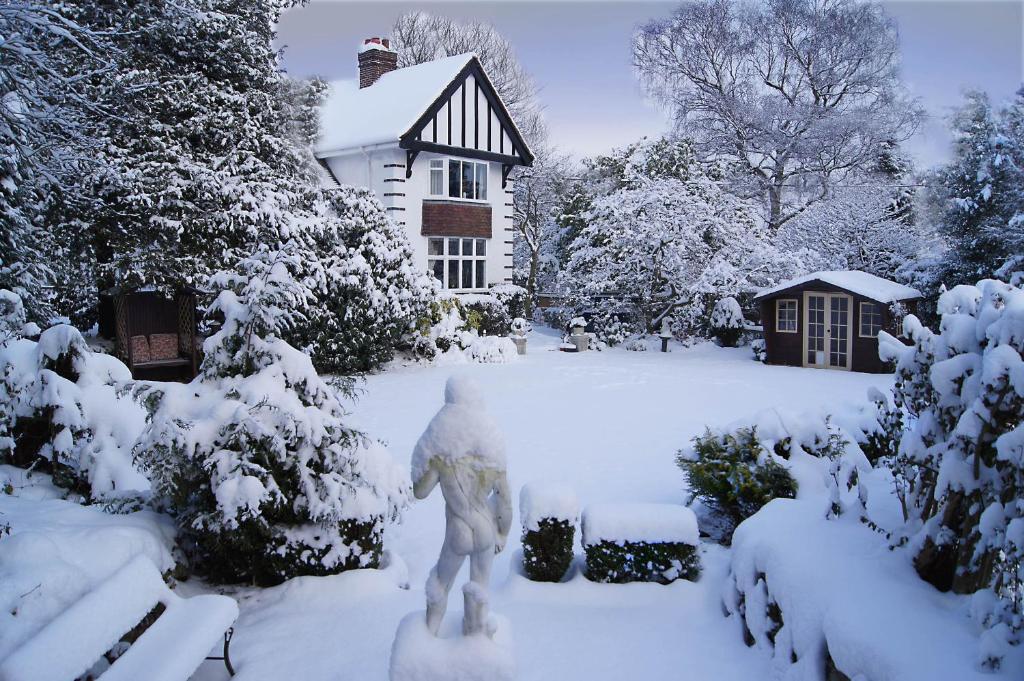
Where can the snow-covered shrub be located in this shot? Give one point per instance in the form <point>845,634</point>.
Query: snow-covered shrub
<point>758,350</point>
<point>959,467</point>
<point>549,513</point>
<point>12,315</point>
<point>637,345</point>
<point>492,350</point>
<point>485,314</point>
<point>513,297</point>
<point>880,443</point>
<point>611,329</point>
<point>64,408</point>
<point>727,322</point>
<point>640,543</point>
<point>578,322</point>
<point>253,457</point>
<point>734,474</point>
<point>372,290</point>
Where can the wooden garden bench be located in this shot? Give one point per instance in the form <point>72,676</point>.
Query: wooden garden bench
<point>170,649</point>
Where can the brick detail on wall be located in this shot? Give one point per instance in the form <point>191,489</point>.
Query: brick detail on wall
<point>452,218</point>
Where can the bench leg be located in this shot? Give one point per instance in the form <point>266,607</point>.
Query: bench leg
<point>227,656</point>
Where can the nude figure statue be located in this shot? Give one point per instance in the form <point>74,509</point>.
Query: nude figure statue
<point>463,452</point>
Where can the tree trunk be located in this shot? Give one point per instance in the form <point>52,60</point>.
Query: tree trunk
<point>531,283</point>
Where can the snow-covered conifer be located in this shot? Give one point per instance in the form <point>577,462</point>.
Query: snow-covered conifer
<point>727,321</point>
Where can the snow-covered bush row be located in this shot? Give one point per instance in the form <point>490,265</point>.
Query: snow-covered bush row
<point>264,478</point>
<point>831,601</point>
<point>640,543</point>
<point>549,513</point>
<point>959,466</point>
<point>471,327</point>
<point>64,407</point>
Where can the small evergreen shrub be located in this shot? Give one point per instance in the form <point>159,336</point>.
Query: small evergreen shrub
<point>512,297</point>
<point>547,551</point>
<point>758,350</point>
<point>549,513</point>
<point>662,562</point>
<point>733,474</point>
<point>727,322</point>
<point>486,315</point>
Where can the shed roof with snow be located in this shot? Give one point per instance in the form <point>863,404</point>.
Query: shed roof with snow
<point>855,281</point>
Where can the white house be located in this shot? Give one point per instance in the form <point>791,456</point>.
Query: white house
<point>436,144</point>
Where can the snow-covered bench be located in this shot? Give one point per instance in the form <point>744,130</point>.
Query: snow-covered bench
<point>171,649</point>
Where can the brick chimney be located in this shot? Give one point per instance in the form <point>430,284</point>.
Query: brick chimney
<point>375,59</point>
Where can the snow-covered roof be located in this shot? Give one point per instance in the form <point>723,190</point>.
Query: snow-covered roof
<point>356,117</point>
<point>862,283</point>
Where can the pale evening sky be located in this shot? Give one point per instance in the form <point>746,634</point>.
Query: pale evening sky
<point>579,54</point>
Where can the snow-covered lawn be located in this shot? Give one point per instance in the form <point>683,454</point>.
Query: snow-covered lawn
<point>609,425</point>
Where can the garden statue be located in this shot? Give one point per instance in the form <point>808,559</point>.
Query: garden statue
<point>666,332</point>
<point>462,451</point>
<point>519,329</point>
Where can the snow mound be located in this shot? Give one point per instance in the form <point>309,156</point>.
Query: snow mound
<point>541,500</point>
<point>461,429</point>
<point>839,589</point>
<point>418,655</point>
<point>492,350</point>
<point>651,523</point>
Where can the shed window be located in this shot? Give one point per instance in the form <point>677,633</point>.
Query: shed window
<point>870,319</point>
<point>785,316</point>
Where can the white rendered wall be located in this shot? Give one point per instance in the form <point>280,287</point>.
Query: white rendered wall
<point>378,169</point>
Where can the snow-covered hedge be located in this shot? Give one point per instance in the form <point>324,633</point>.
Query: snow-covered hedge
<point>959,466</point>
<point>640,543</point>
<point>549,513</point>
<point>727,321</point>
<point>471,327</point>
<point>253,457</point>
<point>65,408</point>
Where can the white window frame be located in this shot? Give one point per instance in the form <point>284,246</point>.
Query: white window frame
<point>860,320</point>
<point>478,257</point>
<point>445,164</point>
<point>796,315</point>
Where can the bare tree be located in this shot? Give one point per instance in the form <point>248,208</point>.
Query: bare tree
<point>420,37</point>
<point>799,92</point>
<point>536,195</point>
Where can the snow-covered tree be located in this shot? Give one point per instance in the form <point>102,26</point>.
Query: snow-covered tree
<point>978,199</point>
<point>373,291</point>
<point>669,240</point>
<point>959,468</point>
<point>798,92</point>
<point>265,479</point>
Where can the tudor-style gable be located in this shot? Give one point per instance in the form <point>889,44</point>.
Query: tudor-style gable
<point>468,119</point>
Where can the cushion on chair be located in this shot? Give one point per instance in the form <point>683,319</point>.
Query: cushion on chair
<point>140,350</point>
<point>163,346</point>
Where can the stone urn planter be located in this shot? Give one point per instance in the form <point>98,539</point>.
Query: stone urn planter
<point>581,341</point>
<point>520,342</point>
<point>519,329</point>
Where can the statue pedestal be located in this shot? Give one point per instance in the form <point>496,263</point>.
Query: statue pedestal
<point>418,655</point>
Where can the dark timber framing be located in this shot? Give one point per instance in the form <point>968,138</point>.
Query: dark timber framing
<point>413,144</point>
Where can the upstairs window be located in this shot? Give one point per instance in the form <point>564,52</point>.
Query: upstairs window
<point>466,179</point>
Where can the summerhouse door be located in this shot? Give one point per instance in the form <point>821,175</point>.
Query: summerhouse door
<point>827,330</point>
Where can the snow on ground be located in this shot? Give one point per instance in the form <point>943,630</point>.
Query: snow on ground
<point>608,424</point>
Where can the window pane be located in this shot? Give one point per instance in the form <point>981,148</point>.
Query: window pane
<point>453,274</point>
<point>481,246</point>
<point>436,268</point>
<point>481,279</point>
<point>467,180</point>
<point>453,246</point>
<point>437,163</point>
<point>435,246</point>
<point>454,176</point>
<point>436,182</point>
<point>467,247</point>
<point>467,274</point>
<point>481,181</point>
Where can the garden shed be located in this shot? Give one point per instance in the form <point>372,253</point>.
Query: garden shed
<point>154,334</point>
<point>831,320</point>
